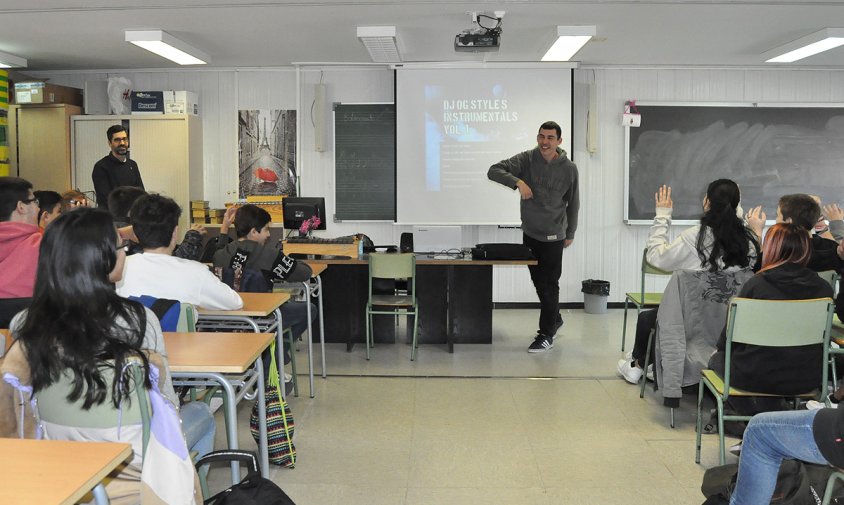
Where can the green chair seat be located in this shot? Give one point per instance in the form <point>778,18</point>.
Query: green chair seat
<point>649,299</point>
<point>641,299</point>
<point>717,383</point>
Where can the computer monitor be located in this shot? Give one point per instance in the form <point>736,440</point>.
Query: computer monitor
<point>297,209</point>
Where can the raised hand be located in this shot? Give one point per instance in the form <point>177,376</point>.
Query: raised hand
<point>833,212</point>
<point>663,197</point>
<point>756,220</point>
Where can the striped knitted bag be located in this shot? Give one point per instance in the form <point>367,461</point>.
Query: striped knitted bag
<point>280,424</point>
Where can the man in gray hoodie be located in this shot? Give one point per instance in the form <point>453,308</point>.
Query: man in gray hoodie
<point>547,182</point>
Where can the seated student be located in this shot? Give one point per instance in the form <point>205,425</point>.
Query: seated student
<point>835,228</point>
<point>120,202</point>
<point>76,322</point>
<point>721,241</point>
<point>73,199</point>
<point>49,207</point>
<point>251,252</point>
<point>804,211</point>
<point>157,273</point>
<point>776,370</point>
<point>19,238</point>
<point>813,436</point>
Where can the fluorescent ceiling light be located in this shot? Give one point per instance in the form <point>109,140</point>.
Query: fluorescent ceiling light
<point>818,42</point>
<point>570,39</point>
<point>380,42</point>
<point>167,46</point>
<point>11,61</point>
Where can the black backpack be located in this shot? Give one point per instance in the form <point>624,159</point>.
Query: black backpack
<point>252,490</point>
<point>798,483</point>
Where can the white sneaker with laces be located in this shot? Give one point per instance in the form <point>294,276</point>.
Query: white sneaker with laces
<point>628,371</point>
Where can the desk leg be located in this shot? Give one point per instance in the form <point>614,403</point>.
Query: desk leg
<point>321,324</point>
<point>262,419</point>
<point>279,343</point>
<point>100,496</point>
<point>307,285</point>
<point>449,333</point>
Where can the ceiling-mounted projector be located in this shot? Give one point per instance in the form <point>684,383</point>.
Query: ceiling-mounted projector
<point>477,42</point>
<point>480,38</point>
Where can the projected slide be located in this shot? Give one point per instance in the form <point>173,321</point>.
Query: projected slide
<point>452,124</point>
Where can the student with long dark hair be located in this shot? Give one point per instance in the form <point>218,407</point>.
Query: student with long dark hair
<point>77,324</point>
<point>721,241</point>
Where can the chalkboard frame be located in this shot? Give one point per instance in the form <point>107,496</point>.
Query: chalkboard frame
<point>627,146</point>
<point>337,217</point>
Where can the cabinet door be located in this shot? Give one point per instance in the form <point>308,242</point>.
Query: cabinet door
<point>43,144</point>
<point>160,147</point>
<point>90,145</point>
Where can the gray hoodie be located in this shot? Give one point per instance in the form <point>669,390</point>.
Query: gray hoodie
<point>551,214</point>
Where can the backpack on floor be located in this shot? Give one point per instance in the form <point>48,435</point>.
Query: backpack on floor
<point>798,483</point>
<point>252,490</point>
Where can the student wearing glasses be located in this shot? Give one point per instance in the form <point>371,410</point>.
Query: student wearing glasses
<point>20,237</point>
<point>115,169</point>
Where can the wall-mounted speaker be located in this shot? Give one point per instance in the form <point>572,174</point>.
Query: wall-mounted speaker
<point>406,242</point>
<point>319,117</point>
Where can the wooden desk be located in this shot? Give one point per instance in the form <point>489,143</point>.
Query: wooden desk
<point>254,305</point>
<point>55,472</point>
<point>261,312</point>
<point>455,301</point>
<point>201,359</point>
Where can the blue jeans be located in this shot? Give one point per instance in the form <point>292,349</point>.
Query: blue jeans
<point>770,438</point>
<point>199,427</point>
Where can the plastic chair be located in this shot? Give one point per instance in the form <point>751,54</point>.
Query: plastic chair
<point>392,266</point>
<point>830,486</point>
<point>769,323</point>
<point>832,277</point>
<point>640,298</point>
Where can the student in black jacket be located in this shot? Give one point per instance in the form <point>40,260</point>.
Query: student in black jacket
<point>776,370</point>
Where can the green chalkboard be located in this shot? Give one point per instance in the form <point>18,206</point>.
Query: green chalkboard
<point>365,162</point>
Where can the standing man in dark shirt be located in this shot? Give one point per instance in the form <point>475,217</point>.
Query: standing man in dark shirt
<point>116,169</point>
<point>547,182</point>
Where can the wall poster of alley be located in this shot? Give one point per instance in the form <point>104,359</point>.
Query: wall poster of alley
<point>267,152</point>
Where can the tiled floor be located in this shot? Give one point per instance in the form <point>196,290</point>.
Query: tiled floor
<point>488,425</point>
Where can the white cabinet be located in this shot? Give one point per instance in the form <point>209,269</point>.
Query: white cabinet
<point>167,148</point>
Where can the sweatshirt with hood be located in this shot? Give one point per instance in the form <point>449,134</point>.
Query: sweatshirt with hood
<point>19,244</point>
<point>778,370</point>
<point>551,215</point>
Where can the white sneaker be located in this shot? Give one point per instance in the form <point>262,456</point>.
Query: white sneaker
<point>650,374</point>
<point>287,377</point>
<point>628,371</point>
<point>816,405</point>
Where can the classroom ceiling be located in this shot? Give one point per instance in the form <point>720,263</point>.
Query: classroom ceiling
<point>88,34</point>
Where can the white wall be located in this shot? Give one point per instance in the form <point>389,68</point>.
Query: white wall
<point>604,248</point>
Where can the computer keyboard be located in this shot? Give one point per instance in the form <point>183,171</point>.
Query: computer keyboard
<point>316,240</point>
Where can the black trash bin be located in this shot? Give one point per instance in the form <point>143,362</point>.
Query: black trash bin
<point>595,295</point>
